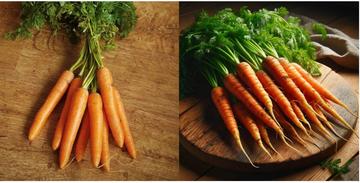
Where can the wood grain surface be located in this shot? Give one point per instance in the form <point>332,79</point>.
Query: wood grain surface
<point>145,70</point>
<point>202,132</point>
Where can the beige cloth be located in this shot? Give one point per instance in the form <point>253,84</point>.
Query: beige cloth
<point>338,46</point>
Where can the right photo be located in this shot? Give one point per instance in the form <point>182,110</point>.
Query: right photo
<point>269,91</point>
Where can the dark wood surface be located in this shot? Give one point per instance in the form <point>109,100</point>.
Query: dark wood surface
<point>191,168</point>
<point>145,70</point>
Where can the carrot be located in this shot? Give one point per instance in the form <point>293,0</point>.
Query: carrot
<point>311,92</point>
<point>96,117</point>
<point>299,114</point>
<point>222,104</point>
<point>273,66</point>
<point>105,153</point>
<point>76,112</point>
<point>75,83</point>
<point>247,74</point>
<point>104,79</point>
<point>128,140</point>
<point>50,103</point>
<point>232,84</point>
<point>312,117</point>
<point>83,138</point>
<point>326,122</point>
<point>278,96</point>
<point>288,127</point>
<point>317,86</point>
<point>239,91</point>
<point>264,135</point>
<point>247,120</point>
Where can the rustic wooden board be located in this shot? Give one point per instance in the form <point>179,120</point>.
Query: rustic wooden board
<point>145,70</point>
<point>202,133</point>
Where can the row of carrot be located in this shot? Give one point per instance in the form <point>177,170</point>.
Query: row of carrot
<point>291,94</point>
<point>92,107</point>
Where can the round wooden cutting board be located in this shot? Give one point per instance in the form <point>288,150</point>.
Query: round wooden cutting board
<point>203,134</point>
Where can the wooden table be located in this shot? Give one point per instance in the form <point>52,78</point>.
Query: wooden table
<point>145,70</point>
<point>340,16</point>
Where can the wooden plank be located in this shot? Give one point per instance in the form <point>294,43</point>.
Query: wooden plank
<point>145,70</point>
<point>317,173</point>
<point>353,174</point>
<point>191,168</point>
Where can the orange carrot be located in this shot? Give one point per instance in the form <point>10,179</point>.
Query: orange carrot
<point>312,117</point>
<point>264,135</point>
<point>273,66</point>
<point>75,83</point>
<point>96,117</point>
<point>299,114</point>
<point>128,140</point>
<point>222,104</point>
<point>104,79</point>
<point>317,86</point>
<point>279,98</point>
<point>83,138</point>
<point>247,120</point>
<point>232,84</point>
<point>76,112</point>
<point>105,153</point>
<point>247,74</point>
<point>50,103</point>
<point>310,91</point>
<point>288,127</point>
<point>326,122</point>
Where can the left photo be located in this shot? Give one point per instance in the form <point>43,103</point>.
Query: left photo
<point>89,90</point>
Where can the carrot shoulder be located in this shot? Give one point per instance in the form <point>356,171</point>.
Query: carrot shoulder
<point>104,79</point>
<point>50,103</point>
<point>75,83</point>
<point>96,126</point>
<point>128,139</point>
<point>76,112</point>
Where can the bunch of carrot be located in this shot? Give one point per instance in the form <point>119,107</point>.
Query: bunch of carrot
<point>92,106</point>
<point>268,89</point>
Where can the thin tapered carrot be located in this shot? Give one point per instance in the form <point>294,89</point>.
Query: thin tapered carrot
<point>105,153</point>
<point>238,90</point>
<point>83,138</point>
<point>235,87</point>
<point>96,117</point>
<point>222,104</point>
<point>246,119</point>
<point>313,118</point>
<point>311,92</point>
<point>128,140</point>
<point>104,79</point>
<point>265,136</point>
<point>288,127</point>
<point>299,114</point>
<point>76,112</point>
<point>248,76</point>
<point>326,122</point>
<point>278,96</point>
<point>50,103</point>
<point>274,68</point>
<point>75,83</point>
<point>317,86</point>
